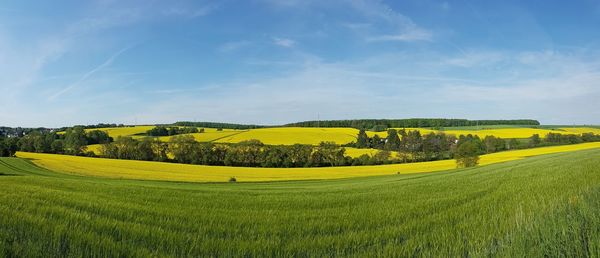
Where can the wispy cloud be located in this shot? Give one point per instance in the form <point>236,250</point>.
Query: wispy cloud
<point>405,86</point>
<point>89,74</point>
<point>476,58</point>
<point>413,35</point>
<point>284,42</point>
<point>396,26</point>
<point>233,46</point>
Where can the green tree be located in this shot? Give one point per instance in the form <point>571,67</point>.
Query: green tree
<point>75,140</point>
<point>57,146</point>
<point>381,157</point>
<point>362,141</point>
<point>3,148</point>
<point>98,137</point>
<point>467,154</point>
<point>376,142</point>
<point>183,148</point>
<point>512,144</point>
<point>493,144</point>
<point>330,154</point>
<point>534,140</point>
<point>299,155</point>
<point>392,142</point>
<point>413,142</point>
<point>144,149</point>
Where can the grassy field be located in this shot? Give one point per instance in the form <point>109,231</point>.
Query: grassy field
<point>540,206</point>
<point>148,170</point>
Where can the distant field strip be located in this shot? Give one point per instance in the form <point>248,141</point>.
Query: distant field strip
<point>313,136</point>
<point>505,133</point>
<point>207,136</point>
<point>148,170</point>
<point>293,135</point>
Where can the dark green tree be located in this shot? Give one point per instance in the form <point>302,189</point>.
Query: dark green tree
<point>362,140</point>
<point>184,148</point>
<point>392,142</point>
<point>75,140</point>
<point>535,140</point>
<point>376,142</point>
<point>98,137</point>
<point>467,154</point>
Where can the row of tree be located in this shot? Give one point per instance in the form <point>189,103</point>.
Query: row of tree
<point>382,124</point>
<point>217,125</point>
<point>434,146</point>
<point>172,130</point>
<point>96,126</point>
<point>251,153</point>
<point>20,131</point>
<point>74,141</point>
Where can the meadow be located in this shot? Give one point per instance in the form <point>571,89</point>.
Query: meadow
<point>538,206</point>
<point>148,170</point>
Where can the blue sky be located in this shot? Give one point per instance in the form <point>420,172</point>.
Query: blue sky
<point>273,62</point>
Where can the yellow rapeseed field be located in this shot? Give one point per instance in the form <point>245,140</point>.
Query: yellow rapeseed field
<point>355,152</point>
<point>124,131</point>
<point>505,133</point>
<point>581,130</point>
<point>313,136</point>
<point>209,135</point>
<point>293,135</point>
<point>148,170</point>
<point>95,148</point>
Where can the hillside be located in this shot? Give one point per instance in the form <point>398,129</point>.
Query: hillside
<point>149,170</point>
<point>541,206</point>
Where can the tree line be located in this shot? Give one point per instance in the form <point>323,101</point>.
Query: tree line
<point>399,146</point>
<point>217,125</point>
<point>383,124</point>
<point>252,153</point>
<point>74,142</point>
<point>172,130</point>
<point>414,146</point>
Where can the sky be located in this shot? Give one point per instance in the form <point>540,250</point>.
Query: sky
<point>278,61</point>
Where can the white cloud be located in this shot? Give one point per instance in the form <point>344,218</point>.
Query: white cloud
<point>476,58</point>
<point>412,35</point>
<point>384,86</point>
<point>233,46</point>
<point>284,42</point>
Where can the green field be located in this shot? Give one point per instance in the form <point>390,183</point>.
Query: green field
<point>540,206</point>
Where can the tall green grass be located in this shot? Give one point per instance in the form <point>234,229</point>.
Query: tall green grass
<point>541,206</point>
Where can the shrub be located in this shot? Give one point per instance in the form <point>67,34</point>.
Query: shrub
<point>232,180</point>
<point>467,155</point>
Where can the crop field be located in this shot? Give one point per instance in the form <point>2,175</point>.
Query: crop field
<point>540,206</point>
<point>293,135</point>
<point>209,135</point>
<point>355,152</point>
<point>580,130</point>
<point>505,133</point>
<point>313,136</point>
<point>124,131</point>
<point>148,170</point>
